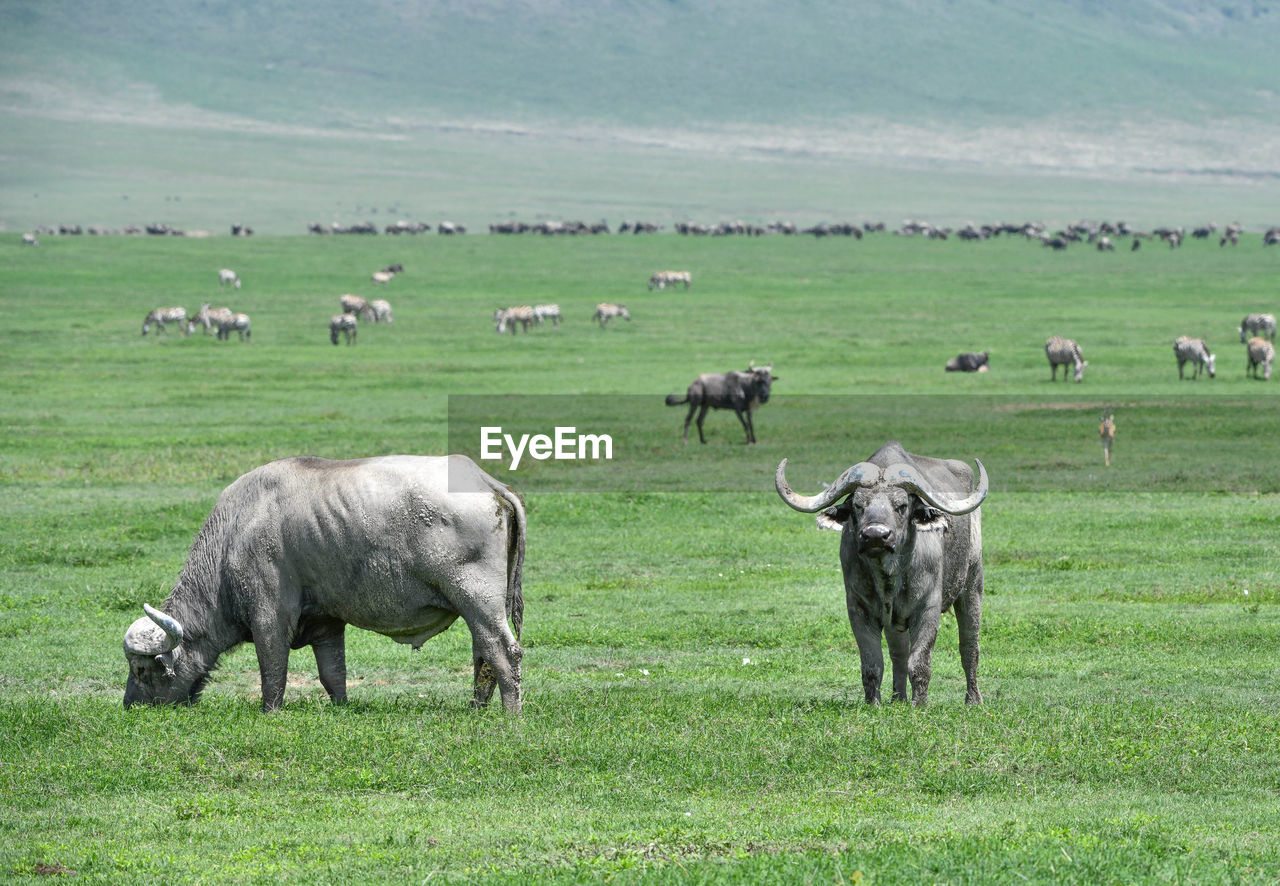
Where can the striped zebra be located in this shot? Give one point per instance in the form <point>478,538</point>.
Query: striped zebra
<point>238,323</point>
<point>30,240</point>
<point>522,314</point>
<point>1263,325</point>
<point>606,311</point>
<point>662,279</point>
<point>1107,431</point>
<point>1064,352</point>
<point>343,324</point>
<point>547,312</point>
<point>1261,353</point>
<point>1194,351</point>
<point>381,309</point>
<point>226,275</point>
<point>209,318</point>
<point>161,316</point>
<point>354,304</point>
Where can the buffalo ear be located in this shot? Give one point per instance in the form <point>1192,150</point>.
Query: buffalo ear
<point>926,517</point>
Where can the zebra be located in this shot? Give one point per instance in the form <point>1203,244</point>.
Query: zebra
<point>1263,325</point>
<point>1261,353</point>
<point>383,276</point>
<point>547,312</point>
<point>226,276</point>
<point>30,240</point>
<point>208,317</point>
<point>346,325</point>
<point>381,309</point>
<point>1195,351</point>
<point>606,311</point>
<point>522,314</point>
<point>1063,352</point>
<point>662,279</point>
<point>235,323</point>
<point>1107,431</point>
<point>354,304</point>
<point>160,316</point>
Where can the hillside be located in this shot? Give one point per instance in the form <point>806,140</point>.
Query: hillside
<point>1146,86</point>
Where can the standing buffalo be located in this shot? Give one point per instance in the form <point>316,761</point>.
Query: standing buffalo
<point>297,549</point>
<point>743,392</point>
<point>969,362</point>
<point>911,548</point>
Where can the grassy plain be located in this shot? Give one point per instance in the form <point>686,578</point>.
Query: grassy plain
<point>693,707</point>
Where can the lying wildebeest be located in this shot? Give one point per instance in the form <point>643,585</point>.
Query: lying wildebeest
<point>1194,351</point>
<point>969,362</point>
<point>911,548</point>
<point>743,392</point>
<point>1064,352</point>
<point>297,549</point>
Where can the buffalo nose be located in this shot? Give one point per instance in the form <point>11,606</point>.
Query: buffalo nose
<point>875,532</point>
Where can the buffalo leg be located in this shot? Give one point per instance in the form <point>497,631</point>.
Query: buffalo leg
<point>273,665</point>
<point>923,634</point>
<point>867,634</point>
<point>702,414</point>
<point>968,610</point>
<point>331,660</point>
<point>899,655</point>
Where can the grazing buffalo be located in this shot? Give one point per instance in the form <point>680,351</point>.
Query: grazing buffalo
<point>969,362</point>
<point>743,392</point>
<point>910,549</point>
<point>298,549</point>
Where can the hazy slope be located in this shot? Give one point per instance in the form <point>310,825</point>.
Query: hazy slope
<point>653,62</point>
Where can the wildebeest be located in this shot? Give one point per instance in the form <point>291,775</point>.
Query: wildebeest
<point>209,318</point>
<point>1194,351</point>
<point>1262,353</point>
<point>1064,352</point>
<point>1107,431</point>
<point>354,304</point>
<point>969,362</point>
<point>297,549</point>
<point>238,323</point>
<point>910,549</point>
<point>226,276</point>
<point>345,325</point>
<point>381,309</point>
<point>606,311</point>
<point>1262,325</point>
<point>743,392</point>
<point>161,316</point>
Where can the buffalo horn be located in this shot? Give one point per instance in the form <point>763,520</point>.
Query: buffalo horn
<point>141,639</point>
<point>864,473</point>
<point>909,478</point>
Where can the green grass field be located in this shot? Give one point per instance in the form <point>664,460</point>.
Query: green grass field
<point>693,705</point>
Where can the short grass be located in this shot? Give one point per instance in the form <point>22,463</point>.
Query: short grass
<point>693,707</point>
